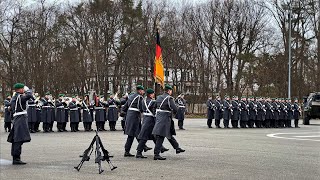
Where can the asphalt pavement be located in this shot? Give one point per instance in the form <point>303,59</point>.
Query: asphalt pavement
<point>210,154</point>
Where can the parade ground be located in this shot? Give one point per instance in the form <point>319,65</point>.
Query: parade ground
<point>210,154</point>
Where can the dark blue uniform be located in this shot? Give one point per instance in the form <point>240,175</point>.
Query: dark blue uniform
<point>7,115</point>
<point>210,112</point>
<point>235,114</point>
<point>252,114</point>
<point>218,112</point>
<point>244,114</point>
<point>227,112</point>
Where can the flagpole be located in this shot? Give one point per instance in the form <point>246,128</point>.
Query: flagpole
<point>156,90</point>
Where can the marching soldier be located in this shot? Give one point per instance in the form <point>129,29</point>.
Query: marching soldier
<point>87,118</point>
<point>133,109</point>
<point>227,111</point>
<point>296,113</point>
<point>276,113</point>
<point>100,116</point>
<point>210,113</point>
<point>7,114</point>
<point>20,132</point>
<point>112,112</point>
<point>46,111</point>
<point>32,114</point>
<point>164,126</point>
<point>60,112</point>
<point>269,113</point>
<point>66,116</point>
<point>252,112</point>
<point>244,115</point>
<point>289,113</point>
<point>74,115</point>
<point>149,111</point>
<point>235,112</point>
<point>218,111</point>
<point>123,101</point>
<point>181,103</point>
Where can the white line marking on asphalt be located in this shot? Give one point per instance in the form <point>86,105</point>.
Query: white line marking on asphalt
<point>306,136</point>
<point>275,135</point>
<point>4,162</point>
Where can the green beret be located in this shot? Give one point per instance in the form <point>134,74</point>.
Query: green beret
<point>140,87</point>
<point>18,86</point>
<point>61,95</point>
<point>73,96</point>
<point>8,94</point>
<point>167,87</point>
<point>48,93</point>
<point>243,97</point>
<point>86,95</point>
<point>226,96</point>
<point>150,91</point>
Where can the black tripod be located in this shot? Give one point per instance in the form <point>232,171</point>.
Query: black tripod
<point>99,157</point>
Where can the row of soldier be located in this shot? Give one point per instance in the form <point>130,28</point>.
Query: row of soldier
<point>253,112</point>
<point>64,110</point>
<point>146,118</point>
<point>47,110</point>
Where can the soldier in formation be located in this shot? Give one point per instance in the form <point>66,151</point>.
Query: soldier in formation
<point>253,112</point>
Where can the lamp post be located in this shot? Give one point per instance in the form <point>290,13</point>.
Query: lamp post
<point>289,51</point>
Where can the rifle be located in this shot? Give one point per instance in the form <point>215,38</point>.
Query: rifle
<point>99,157</point>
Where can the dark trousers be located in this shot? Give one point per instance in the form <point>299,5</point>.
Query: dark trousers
<point>112,125</point>
<point>234,123</point>
<point>159,142</point>
<point>288,123</point>
<point>217,122</point>
<point>281,123</point>
<point>73,126</point>
<point>16,148</point>
<point>258,124</point>
<point>7,126</point>
<point>31,126</point>
<point>59,126</point>
<point>243,124</point>
<point>141,145</point>
<point>127,146</point>
<point>46,127</point>
<point>51,125</point>
<point>123,125</point>
<point>251,123</point>
<point>36,126</point>
<point>87,126</point>
<point>64,126</point>
<point>226,123</point>
<point>100,125</point>
<point>267,123</point>
<point>209,122</point>
<point>296,123</point>
<point>273,123</point>
<point>180,123</point>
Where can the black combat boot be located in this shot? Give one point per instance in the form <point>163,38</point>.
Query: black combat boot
<point>179,150</point>
<point>128,154</point>
<point>158,157</point>
<point>163,149</point>
<point>146,148</point>
<point>139,155</point>
<point>17,161</point>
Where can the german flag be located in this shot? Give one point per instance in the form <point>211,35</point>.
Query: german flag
<point>158,70</point>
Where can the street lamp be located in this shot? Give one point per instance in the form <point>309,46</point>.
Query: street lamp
<point>289,51</point>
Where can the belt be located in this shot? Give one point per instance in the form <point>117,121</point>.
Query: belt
<point>60,107</point>
<point>19,113</point>
<point>134,109</point>
<point>46,106</point>
<point>99,108</point>
<point>148,114</point>
<point>74,109</point>
<point>160,110</point>
<point>182,106</point>
<point>113,106</point>
<point>6,107</point>
<point>31,105</point>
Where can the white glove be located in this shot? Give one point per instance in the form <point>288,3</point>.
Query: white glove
<point>25,88</point>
